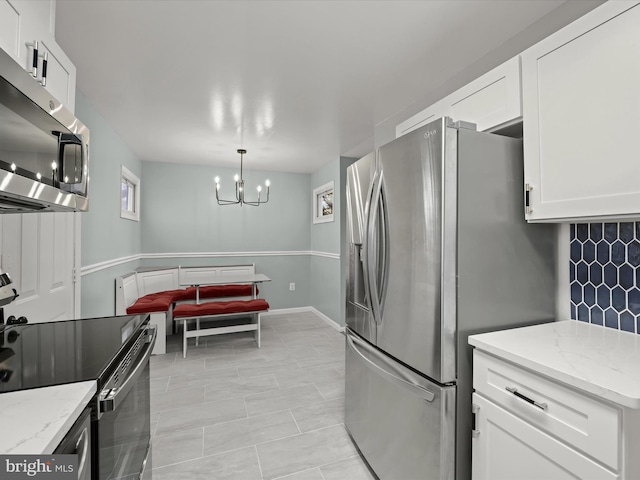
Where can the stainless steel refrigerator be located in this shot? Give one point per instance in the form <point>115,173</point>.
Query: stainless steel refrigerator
<point>438,250</point>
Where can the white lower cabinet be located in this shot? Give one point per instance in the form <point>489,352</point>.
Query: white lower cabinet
<point>506,448</point>
<point>529,427</point>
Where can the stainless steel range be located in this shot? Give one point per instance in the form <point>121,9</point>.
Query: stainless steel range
<point>113,351</point>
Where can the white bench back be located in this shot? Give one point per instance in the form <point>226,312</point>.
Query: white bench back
<point>126,292</point>
<point>157,281</point>
<point>134,285</point>
<point>202,275</point>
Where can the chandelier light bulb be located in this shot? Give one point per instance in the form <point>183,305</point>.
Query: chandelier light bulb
<point>217,180</point>
<point>267,183</point>
<point>13,167</point>
<point>38,176</point>
<point>259,188</point>
<point>236,177</point>
<point>54,165</point>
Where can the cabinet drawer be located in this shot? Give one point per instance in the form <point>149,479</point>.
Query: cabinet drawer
<point>578,420</point>
<point>508,448</point>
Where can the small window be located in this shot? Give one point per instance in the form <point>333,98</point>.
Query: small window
<point>129,195</point>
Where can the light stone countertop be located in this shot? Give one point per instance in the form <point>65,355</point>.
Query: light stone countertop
<point>35,421</point>
<point>602,361</point>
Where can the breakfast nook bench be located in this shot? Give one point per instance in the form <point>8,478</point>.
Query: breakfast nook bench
<point>157,290</point>
<point>217,311</point>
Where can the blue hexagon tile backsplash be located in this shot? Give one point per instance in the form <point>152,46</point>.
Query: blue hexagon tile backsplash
<point>605,274</point>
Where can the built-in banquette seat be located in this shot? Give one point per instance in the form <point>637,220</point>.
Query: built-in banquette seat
<point>157,290</point>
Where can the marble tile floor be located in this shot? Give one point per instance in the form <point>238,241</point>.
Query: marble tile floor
<point>231,411</point>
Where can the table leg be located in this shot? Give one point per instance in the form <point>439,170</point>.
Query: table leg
<point>184,338</point>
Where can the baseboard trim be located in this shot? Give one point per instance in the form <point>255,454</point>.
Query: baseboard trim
<point>332,323</point>
<point>278,311</point>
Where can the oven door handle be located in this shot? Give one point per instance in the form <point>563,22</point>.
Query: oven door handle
<point>110,398</point>
<point>82,445</point>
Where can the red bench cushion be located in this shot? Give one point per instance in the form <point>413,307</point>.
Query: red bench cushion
<point>220,308</point>
<point>153,302</point>
<point>161,301</point>
<point>216,291</point>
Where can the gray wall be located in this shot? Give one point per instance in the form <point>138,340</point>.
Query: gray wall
<point>183,225</point>
<point>325,274</point>
<point>105,236</point>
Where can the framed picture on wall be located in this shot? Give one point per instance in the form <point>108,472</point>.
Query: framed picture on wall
<point>323,203</point>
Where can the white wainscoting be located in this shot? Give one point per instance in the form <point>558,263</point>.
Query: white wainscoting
<point>96,267</point>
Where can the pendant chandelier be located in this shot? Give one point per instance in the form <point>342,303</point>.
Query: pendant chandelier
<point>240,189</point>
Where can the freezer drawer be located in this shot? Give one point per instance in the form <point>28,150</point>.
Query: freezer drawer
<point>403,424</point>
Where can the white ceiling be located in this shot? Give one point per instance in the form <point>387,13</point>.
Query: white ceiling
<point>296,83</point>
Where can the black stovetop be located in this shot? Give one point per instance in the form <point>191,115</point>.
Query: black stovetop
<point>45,354</point>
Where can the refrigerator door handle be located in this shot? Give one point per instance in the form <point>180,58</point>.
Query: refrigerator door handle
<point>383,240</point>
<point>366,252</point>
<point>373,248</point>
<point>356,344</point>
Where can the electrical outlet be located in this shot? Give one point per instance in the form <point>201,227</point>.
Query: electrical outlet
<point>292,287</point>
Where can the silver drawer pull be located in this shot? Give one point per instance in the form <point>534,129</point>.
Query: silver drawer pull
<point>542,406</point>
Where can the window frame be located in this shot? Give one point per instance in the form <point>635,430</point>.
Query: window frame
<point>318,216</point>
<point>129,177</point>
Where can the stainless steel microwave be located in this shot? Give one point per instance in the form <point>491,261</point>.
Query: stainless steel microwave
<point>44,149</point>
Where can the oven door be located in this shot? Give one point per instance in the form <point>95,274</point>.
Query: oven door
<point>124,418</point>
<point>78,442</point>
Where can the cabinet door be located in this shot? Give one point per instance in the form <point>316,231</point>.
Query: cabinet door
<point>61,75</point>
<point>23,21</point>
<point>581,105</point>
<point>427,115</point>
<point>9,28</point>
<point>491,101</point>
<point>505,447</point>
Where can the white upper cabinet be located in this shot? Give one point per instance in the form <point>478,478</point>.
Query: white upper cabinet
<point>581,103</point>
<point>427,115</point>
<point>61,74</point>
<point>25,24</point>
<point>490,101</point>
